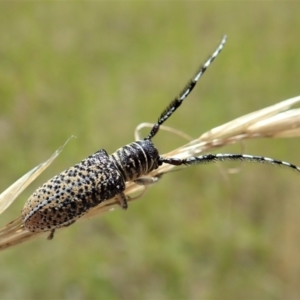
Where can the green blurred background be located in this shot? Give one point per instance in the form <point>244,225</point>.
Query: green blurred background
<point>98,69</point>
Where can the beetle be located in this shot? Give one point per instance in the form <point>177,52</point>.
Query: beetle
<point>69,195</point>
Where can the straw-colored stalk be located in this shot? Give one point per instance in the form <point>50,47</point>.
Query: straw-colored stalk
<point>276,121</point>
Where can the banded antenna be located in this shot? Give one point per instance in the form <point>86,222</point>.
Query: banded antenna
<point>167,113</point>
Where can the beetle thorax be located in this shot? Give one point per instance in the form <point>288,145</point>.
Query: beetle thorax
<point>136,159</point>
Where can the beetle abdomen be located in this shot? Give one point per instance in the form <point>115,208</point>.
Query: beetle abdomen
<point>68,195</point>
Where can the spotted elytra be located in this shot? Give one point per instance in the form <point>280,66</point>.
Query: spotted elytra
<point>69,195</point>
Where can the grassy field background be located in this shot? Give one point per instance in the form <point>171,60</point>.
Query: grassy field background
<point>98,69</point>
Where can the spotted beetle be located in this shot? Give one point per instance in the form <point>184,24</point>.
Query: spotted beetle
<point>69,195</point>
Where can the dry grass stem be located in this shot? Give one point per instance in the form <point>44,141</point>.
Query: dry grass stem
<point>274,121</point>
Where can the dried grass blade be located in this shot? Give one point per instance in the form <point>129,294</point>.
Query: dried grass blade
<point>240,125</point>
<point>267,122</point>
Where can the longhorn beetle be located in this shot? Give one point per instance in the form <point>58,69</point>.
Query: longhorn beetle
<point>69,195</point>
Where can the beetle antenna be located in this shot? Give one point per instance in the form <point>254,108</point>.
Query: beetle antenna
<point>185,92</point>
<point>210,158</point>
